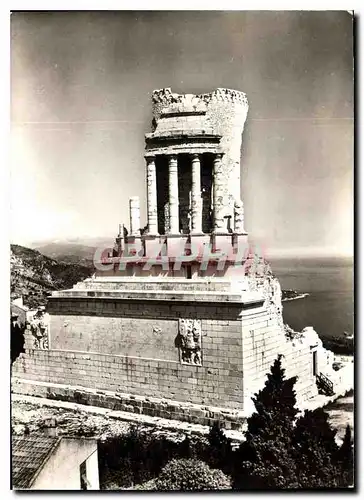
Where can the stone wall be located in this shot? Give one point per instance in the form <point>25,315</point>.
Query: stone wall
<point>134,348</point>
<point>264,338</point>
<point>149,406</point>
<point>126,336</point>
<point>210,354</point>
<point>227,117</point>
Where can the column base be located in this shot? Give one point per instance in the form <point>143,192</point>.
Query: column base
<point>222,242</point>
<point>134,243</point>
<point>176,244</point>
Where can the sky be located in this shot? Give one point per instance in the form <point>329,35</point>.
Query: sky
<point>81,86</point>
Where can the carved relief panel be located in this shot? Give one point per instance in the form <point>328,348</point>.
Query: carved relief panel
<point>190,341</point>
<point>39,329</point>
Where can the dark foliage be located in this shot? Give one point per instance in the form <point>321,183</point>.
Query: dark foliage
<point>282,453</point>
<point>264,460</point>
<point>314,449</point>
<point>345,459</point>
<point>274,404</point>
<point>339,345</point>
<point>220,454</point>
<point>137,457</point>
<point>16,339</point>
<point>314,425</point>
<point>191,475</point>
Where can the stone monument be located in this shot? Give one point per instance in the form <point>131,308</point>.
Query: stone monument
<point>180,320</point>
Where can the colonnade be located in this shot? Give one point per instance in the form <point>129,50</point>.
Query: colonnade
<point>173,197</point>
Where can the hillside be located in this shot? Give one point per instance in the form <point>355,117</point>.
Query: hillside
<point>69,253</point>
<point>34,275</point>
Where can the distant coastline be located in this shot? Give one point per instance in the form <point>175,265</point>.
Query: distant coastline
<point>292,295</point>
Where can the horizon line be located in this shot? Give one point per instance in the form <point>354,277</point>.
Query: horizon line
<point>275,252</point>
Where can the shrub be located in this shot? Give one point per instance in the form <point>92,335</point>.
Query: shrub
<point>339,345</point>
<point>135,457</point>
<point>191,474</point>
<point>220,450</point>
<point>148,486</point>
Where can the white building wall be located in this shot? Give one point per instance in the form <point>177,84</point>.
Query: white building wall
<point>92,472</point>
<point>62,469</point>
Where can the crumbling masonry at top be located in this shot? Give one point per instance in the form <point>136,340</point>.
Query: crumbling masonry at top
<point>193,162</point>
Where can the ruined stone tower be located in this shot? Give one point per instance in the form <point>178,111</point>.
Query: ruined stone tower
<point>193,158</point>
<point>179,320</point>
<point>193,189</point>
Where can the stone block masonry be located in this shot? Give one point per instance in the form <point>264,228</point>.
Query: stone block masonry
<point>133,405</point>
<point>133,347</point>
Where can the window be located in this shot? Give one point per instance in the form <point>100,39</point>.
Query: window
<point>314,363</point>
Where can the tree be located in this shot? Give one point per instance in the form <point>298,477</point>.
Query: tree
<point>220,451</point>
<point>281,452</point>
<point>184,449</point>
<point>274,404</point>
<point>264,459</point>
<point>314,448</point>
<point>313,425</point>
<point>345,459</point>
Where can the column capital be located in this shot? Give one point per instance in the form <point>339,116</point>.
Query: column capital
<point>172,157</point>
<point>196,156</point>
<point>218,156</point>
<point>149,158</point>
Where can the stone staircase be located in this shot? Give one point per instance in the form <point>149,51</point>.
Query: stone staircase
<point>324,385</point>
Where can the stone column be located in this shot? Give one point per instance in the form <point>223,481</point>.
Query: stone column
<point>134,213</point>
<point>173,195</point>
<point>152,196</point>
<point>196,200</point>
<point>218,193</point>
<point>239,217</point>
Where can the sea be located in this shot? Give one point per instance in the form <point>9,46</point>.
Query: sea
<point>326,287</point>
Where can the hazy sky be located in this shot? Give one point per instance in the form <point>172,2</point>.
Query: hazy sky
<point>81,85</point>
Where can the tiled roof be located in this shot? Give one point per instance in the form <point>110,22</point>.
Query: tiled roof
<point>28,455</point>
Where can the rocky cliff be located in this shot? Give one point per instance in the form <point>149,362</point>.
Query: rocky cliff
<point>33,275</point>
